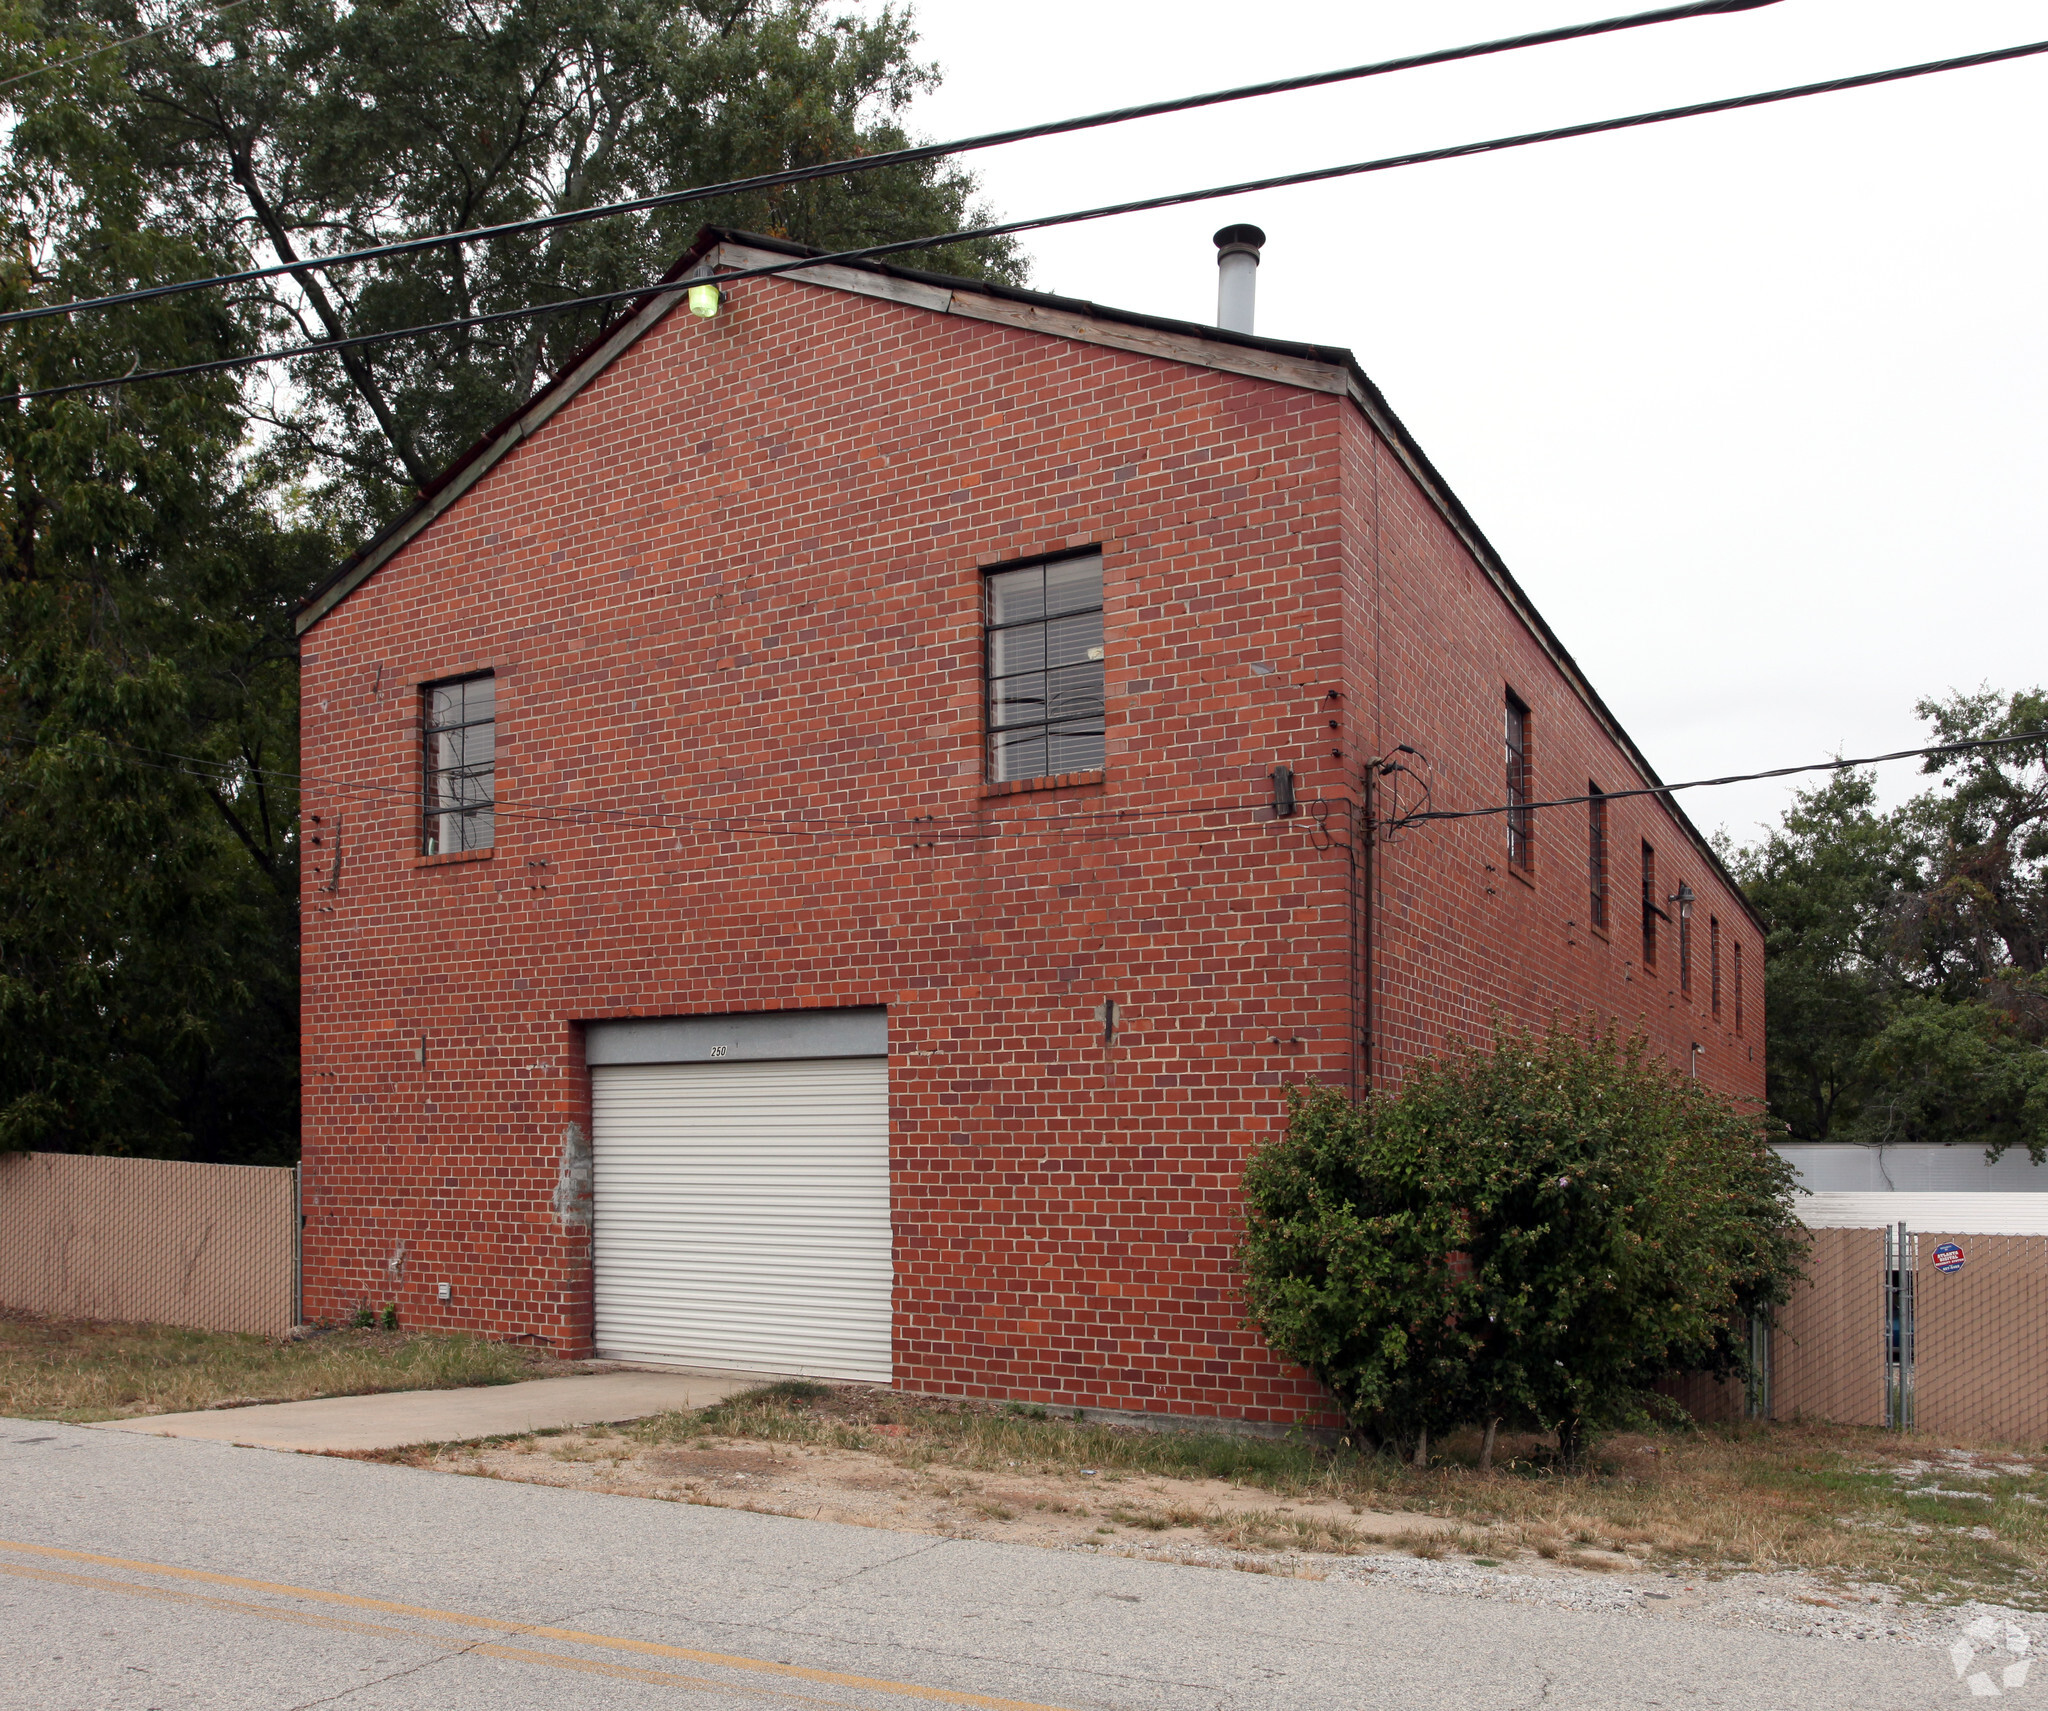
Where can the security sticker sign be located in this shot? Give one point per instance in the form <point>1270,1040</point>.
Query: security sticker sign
<point>1948,1257</point>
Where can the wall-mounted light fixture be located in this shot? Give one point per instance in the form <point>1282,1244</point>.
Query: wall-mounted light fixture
<point>1685,898</point>
<point>705,299</point>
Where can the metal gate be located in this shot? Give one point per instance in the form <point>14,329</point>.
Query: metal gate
<point>1901,1264</point>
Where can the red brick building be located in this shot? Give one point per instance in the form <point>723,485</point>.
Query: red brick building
<point>795,873</point>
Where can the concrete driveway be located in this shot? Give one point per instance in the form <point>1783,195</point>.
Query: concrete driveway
<point>393,1419</point>
<point>142,1573</point>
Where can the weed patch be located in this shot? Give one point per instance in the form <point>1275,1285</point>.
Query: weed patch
<point>79,1370</point>
<point>1933,1521</point>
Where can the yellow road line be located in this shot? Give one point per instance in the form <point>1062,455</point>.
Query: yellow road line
<point>384,1630</point>
<point>527,1630</point>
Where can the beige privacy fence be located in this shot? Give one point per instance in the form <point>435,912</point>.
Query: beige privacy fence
<point>1908,1329</point>
<point>154,1241</point>
<point>1979,1352</point>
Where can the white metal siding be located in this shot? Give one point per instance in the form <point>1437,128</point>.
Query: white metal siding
<point>1982,1214</point>
<point>1929,1167</point>
<point>740,1215</point>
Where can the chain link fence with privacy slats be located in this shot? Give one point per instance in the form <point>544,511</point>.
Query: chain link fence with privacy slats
<point>1827,1345</point>
<point>150,1241</point>
<point>1980,1338</point>
<point>1802,1360</point>
<point>1904,1329</point>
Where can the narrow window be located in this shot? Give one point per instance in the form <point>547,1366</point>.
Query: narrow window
<point>1650,908</point>
<point>1684,945</point>
<point>458,722</point>
<point>1738,986</point>
<point>1596,854</point>
<point>1045,667</point>
<point>1521,829</point>
<point>1714,963</point>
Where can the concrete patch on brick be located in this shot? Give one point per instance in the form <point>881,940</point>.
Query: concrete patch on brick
<point>572,1181</point>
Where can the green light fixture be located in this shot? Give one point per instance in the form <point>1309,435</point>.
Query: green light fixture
<point>705,299</point>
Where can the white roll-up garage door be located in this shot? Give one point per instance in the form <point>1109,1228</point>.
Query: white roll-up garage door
<point>740,1214</point>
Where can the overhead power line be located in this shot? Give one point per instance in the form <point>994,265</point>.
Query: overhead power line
<point>1147,204</point>
<point>968,826</point>
<point>893,157</point>
<point>1009,227</point>
<point>110,47</point>
<point>2038,738</point>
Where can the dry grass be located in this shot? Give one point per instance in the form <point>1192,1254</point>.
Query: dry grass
<point>1835,1501</point>
<point>1927,1517</point>
<point>1276,1530</point>
<point>61,1369</point>
<point>928,1431</point>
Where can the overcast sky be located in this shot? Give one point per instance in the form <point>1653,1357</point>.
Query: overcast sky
<point>1755,406</point>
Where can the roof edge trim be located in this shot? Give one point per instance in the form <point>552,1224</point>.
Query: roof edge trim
<point>1317,368</point>
<point>1367,398</point>
<point>588,363</point>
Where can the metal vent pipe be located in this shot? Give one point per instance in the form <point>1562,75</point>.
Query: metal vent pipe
<point>1237,276</point>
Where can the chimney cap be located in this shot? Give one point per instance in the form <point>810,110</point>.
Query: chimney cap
<point>1247,240</point>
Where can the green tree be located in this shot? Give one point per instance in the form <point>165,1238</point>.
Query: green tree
<point>1348,1268</point>
<point>284,128</point>
<point>1828,884</point>
<point>1905,996</point>
<point>1983,907</point>
<point>1968,1070</point>
<point>147,863</point>
<point>1535,1233</point>
<point>157,541</point>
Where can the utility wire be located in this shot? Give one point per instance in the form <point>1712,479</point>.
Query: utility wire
<point>935,828</point>
<point>109,47</point>
<point>892,157</point>
<point>1972,745</point>
<point>1314,175</point>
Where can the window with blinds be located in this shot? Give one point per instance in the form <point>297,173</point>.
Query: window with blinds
<point>459,732</point>
<point>1045,668</point>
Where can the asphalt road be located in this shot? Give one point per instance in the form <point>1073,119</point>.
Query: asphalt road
<point>140,1573</point>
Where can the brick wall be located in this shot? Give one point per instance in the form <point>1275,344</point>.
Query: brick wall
<point>1463,936</point>
<point>731,596</point>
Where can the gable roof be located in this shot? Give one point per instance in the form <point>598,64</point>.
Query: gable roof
<point>1316,368</point>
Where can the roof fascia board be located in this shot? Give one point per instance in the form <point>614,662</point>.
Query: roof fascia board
<point>1144,341</point>
<point>512,434</point>
<point>1366,397</point>
<point>1057,322</point>
<point>916,293</point>
<point>1333,371</point>
<point>1313,368</point>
